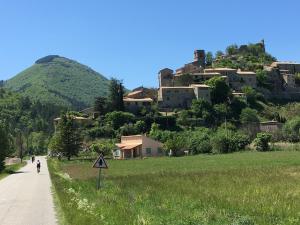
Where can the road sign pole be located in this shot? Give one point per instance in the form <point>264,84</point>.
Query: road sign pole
<point>99,177</point>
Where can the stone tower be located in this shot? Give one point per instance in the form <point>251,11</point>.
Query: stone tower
<point>199,58</point>
<point>166,78</point>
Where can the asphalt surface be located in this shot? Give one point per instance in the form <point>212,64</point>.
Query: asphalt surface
<point>25,197</point>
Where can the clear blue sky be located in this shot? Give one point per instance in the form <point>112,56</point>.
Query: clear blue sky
<point>133,39</point>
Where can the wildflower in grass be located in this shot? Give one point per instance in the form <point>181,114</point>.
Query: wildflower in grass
<point>141,220</point>
<point>65,176</point>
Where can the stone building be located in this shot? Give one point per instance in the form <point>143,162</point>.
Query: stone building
<point>175,97</point>
<point>138,99</point>
<point>236,78</point>
<point>174,94</point>
<point>281,76</point>
<point>133,105</point>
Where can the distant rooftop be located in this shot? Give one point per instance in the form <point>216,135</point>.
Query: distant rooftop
<point>284,63</point>
<point>220,69</point>
<point>246,73</point>
<point>137,99</point>
<point>200,85</point>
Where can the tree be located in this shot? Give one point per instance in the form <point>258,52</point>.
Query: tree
<point>4,145</point>
<point>176,143</point>
<point>251,94</point>
<point>219,54</point>
<point>249,115</point>
<point>262,79</point>
<point>116,92</point>
<point>199,141</point>
<point>55,144</point>
<point>39,141</point>
<point>232,49</point>
<point>203,109</point>
<point>249,119</point>
<point>221,111</point>
<point>117,118</point>
<point>209,58</point>
<point>184,80</point>
<point>20,143</point>
<point>291,130</point>
<point>101,105</point>
<point>69,139</point>
<point>140,126</point>
<point>104,147</point>
<point>220,91</point>
<point>261,142</point>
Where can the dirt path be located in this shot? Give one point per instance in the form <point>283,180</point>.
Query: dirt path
<point>25,197</point>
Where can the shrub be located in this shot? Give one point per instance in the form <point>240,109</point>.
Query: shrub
<point>101,132</point>
<point>229,141</point>
<point>140,126</point>
<point>199,141</point>
<point>291,130</point>
<point>261,142</point>
<point>104,147</point>
<point>220,143</point>
<point>128,129</point>
<point>176,143</point>
<point>239,141</point>
<point>249,115</point>
<point>219,89</point>
<point>117,118</point>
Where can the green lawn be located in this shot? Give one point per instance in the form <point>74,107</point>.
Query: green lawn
<point>11,169</point>
<point>241,188</point>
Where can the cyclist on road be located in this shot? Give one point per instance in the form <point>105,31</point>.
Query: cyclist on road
<point>38,166</point>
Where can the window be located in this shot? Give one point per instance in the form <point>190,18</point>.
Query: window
<point>148,151</point>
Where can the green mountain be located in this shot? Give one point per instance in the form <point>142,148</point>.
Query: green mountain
<point>61,81</point>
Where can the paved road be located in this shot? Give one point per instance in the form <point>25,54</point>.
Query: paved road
<point>25,197</point>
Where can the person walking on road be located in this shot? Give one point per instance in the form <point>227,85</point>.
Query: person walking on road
<point>32,159</point>
<point>38,166</point>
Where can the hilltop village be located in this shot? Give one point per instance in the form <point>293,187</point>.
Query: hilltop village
<point>177,89</point>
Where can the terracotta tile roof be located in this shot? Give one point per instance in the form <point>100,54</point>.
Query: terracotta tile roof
<point>134,93</point>
<point>128,146</point>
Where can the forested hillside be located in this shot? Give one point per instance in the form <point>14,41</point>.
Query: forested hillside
<point>27,125</point>
<point>60,81</point>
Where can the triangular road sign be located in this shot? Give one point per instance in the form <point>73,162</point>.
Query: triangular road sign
<point>100,163</point>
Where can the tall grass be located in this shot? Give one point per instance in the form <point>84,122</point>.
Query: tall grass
<point>11,169</point>
<point>240,188</point>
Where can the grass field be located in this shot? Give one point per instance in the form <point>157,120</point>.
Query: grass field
<point>11,169</point>
<point>242,188</point>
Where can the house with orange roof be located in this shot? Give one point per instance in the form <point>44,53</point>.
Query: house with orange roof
<point>137,146</point>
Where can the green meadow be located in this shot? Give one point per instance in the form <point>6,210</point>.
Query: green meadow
<point>240,189</point>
